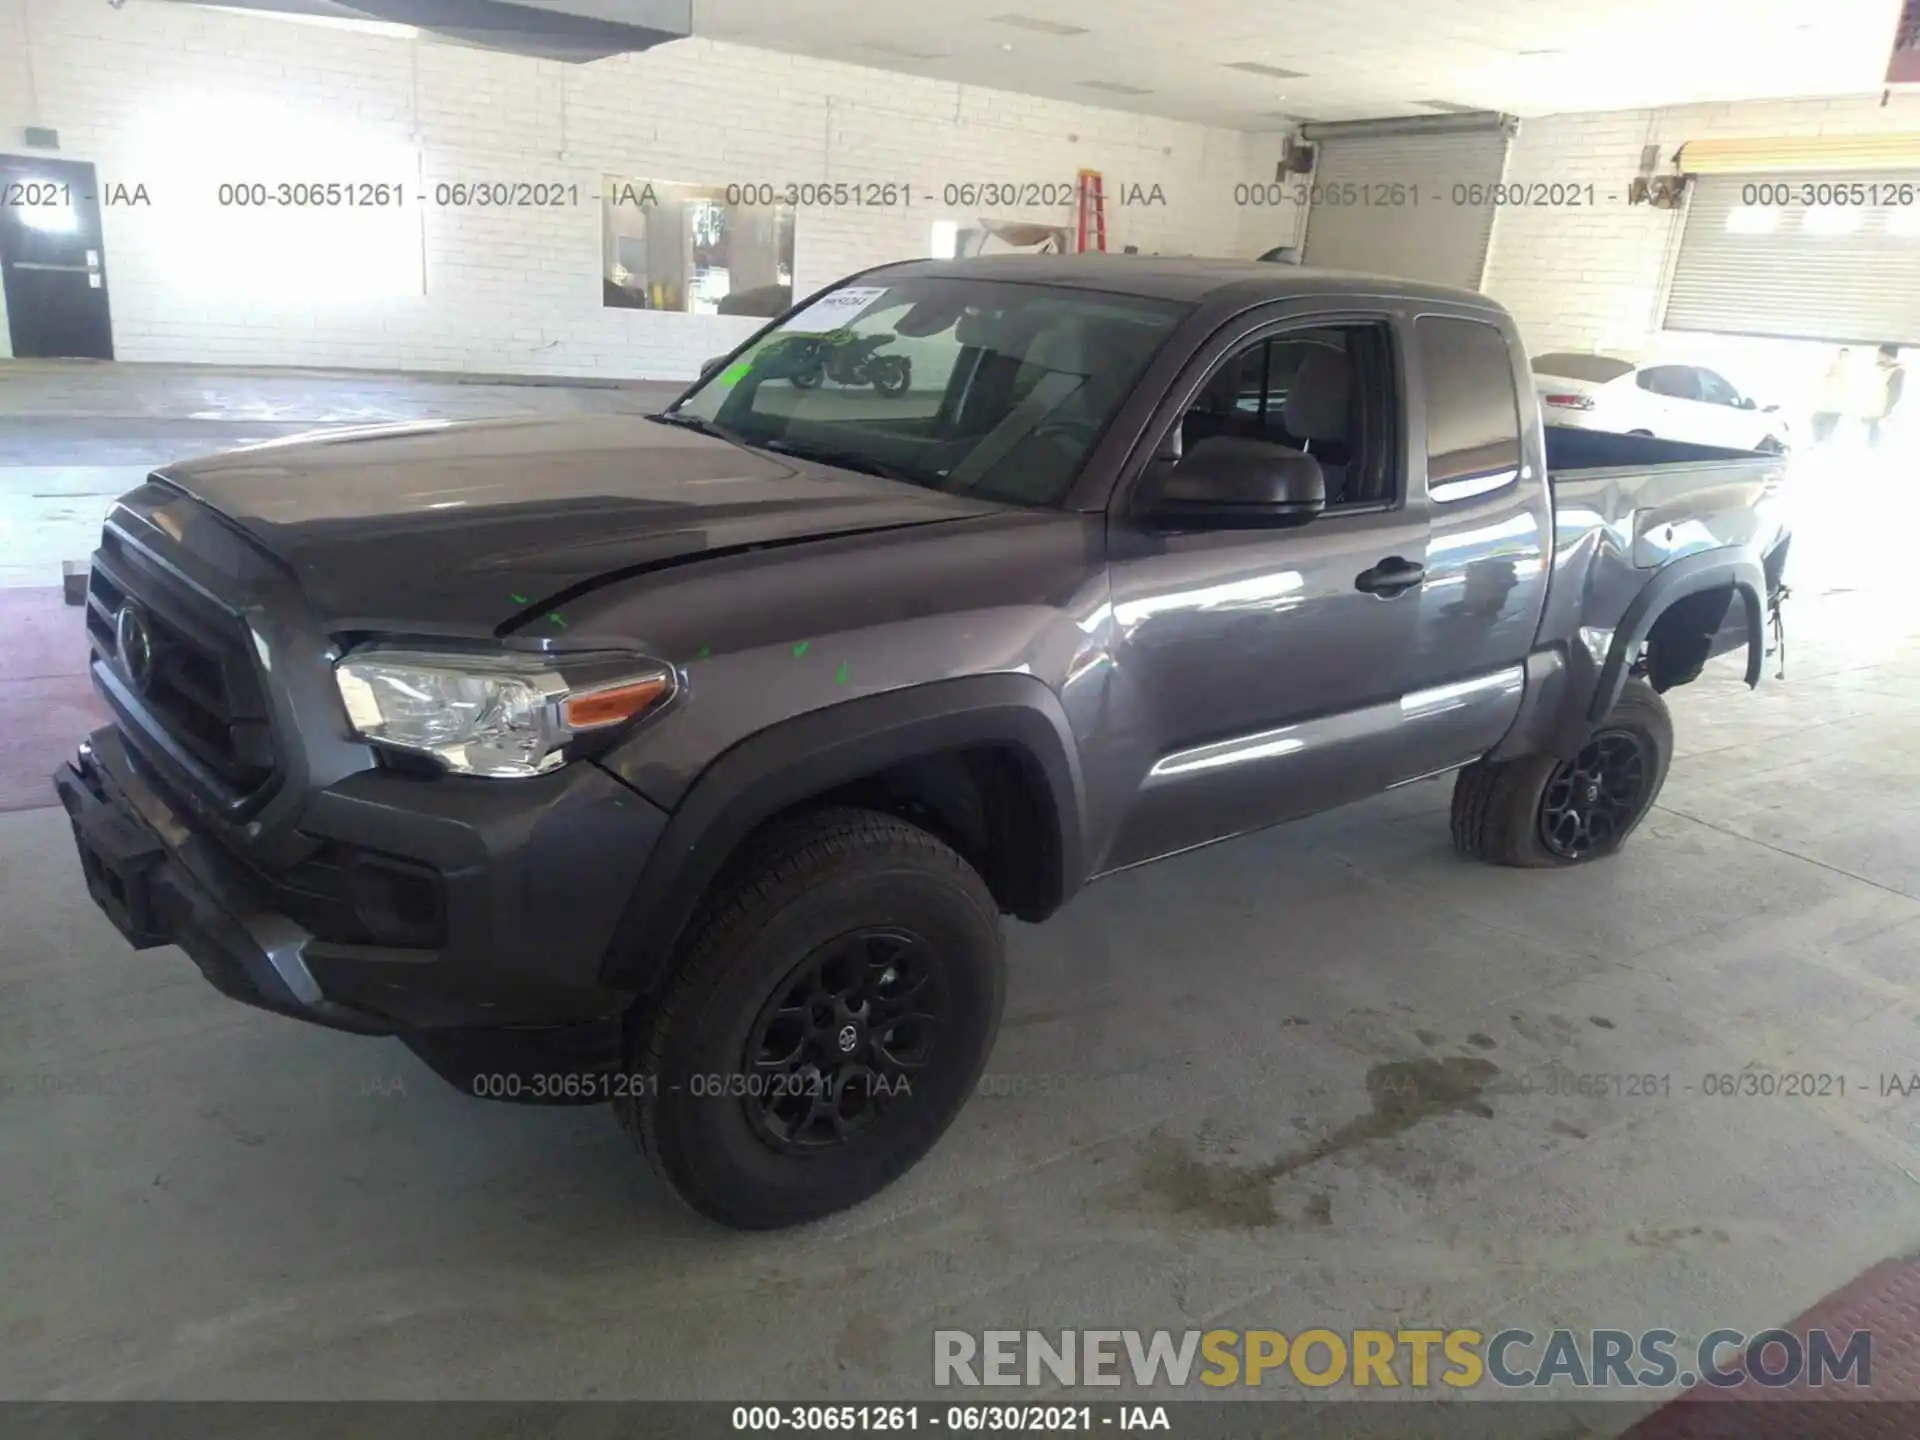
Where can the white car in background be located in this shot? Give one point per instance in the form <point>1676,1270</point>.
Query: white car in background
<point>1674,402</point>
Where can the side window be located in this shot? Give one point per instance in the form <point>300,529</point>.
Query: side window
<point>1677,382</point>
<point>1329,392</point>
<point>1473,407</point>
<point>1715,390</point>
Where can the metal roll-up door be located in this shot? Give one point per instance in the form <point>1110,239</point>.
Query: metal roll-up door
<point>1829,255</point>
<point>1361,214</point>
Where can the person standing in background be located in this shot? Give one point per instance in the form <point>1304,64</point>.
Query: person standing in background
<point>1834,397</point>
<point>1889,379</point>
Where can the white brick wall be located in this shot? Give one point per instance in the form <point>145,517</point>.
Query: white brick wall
<point>181,99</point>
<point>1580,279</point>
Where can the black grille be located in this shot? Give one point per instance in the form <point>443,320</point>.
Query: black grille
<point>204,689</point>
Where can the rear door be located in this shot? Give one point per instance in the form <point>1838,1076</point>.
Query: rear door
<point>1490,536</point>
<point>52,261</point>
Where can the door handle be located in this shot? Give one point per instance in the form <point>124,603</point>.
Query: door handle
<point>1392,576</point>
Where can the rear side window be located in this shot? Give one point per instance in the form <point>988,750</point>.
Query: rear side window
<point>1594,369</point>
<point>1473,407</point>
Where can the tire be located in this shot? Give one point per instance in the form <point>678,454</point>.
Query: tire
<point>809,378</point>
<point>726,1136</point>
<point>891,375</point>
<point>1504,813</point>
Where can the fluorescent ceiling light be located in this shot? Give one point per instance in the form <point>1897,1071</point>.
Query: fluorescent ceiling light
<point>903,52</point>
<point>1254,67</point>
<point>1038,26</point>
<point>351,23</point>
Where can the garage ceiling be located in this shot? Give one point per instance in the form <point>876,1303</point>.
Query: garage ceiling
<point>1355,59</point>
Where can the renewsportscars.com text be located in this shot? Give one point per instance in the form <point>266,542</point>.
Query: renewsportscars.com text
<point>1391,1359</point>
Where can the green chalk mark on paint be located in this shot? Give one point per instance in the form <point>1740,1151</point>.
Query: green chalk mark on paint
<point>705,651</point>
<point>840,676</point>
<point>555,618</point>
<point>517,598</point>
<point>801,648</point>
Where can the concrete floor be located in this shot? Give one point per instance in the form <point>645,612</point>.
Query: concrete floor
<point>1177,1129</point>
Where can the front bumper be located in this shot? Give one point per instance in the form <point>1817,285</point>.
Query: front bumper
<point>534,874</point>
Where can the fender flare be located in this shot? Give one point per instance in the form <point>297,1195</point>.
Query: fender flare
<point>1709,570</point>
<point>789,762</point>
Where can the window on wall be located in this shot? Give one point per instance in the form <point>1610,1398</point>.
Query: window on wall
<point>694,249</point>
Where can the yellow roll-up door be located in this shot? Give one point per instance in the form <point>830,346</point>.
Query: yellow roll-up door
<point>1894,150</point>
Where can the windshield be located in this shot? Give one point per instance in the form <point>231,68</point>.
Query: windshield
<point>969,386</point>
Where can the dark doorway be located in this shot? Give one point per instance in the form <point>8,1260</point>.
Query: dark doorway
<point>52,262</point>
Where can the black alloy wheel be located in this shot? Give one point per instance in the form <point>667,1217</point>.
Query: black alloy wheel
<point>828,1014</point>
<point>1594,798</point>
<point>839,1043</point>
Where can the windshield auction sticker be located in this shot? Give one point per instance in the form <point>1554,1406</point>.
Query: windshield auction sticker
<point>830,312</point>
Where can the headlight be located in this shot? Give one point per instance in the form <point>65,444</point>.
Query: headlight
<point>495,714</point>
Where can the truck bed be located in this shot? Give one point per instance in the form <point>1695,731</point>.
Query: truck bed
<point>1680,498</point>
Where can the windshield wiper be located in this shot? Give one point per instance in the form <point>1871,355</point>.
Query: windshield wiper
<point>699,425</point>
<point>884,469</point>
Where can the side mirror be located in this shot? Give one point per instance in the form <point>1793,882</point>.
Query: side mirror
<point>1771,409</point>
<point>1230,483</point>
<point>711,364</point>
<point>1745,404</point>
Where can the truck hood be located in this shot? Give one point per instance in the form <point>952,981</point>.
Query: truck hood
<point>483,526</point>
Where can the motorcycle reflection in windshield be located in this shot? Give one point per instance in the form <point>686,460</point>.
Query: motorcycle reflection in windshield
<point>849,359</point>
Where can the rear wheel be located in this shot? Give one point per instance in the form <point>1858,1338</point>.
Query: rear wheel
<point>1542,810</point>
<point>891,374</point>
<point>828,1017</point>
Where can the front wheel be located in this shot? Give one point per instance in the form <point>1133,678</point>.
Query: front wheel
<point>826,1020</point>
<point>1543,810</point>
<point>809,376</point>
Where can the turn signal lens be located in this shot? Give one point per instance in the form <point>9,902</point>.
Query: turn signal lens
<point>616,704</point>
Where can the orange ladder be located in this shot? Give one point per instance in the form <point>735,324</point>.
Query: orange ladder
<point>1091,232</point>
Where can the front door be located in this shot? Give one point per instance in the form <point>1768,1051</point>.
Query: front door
<point>52,263</point>
<point>1263,668</point>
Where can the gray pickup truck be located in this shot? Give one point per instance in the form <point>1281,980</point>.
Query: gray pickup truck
<point>689,762</point>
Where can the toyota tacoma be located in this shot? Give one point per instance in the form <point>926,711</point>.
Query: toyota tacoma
<point>689,762</point>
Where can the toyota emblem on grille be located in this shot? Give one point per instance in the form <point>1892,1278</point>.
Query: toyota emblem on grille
<point>849,1037</point>
<point>133,643</point>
